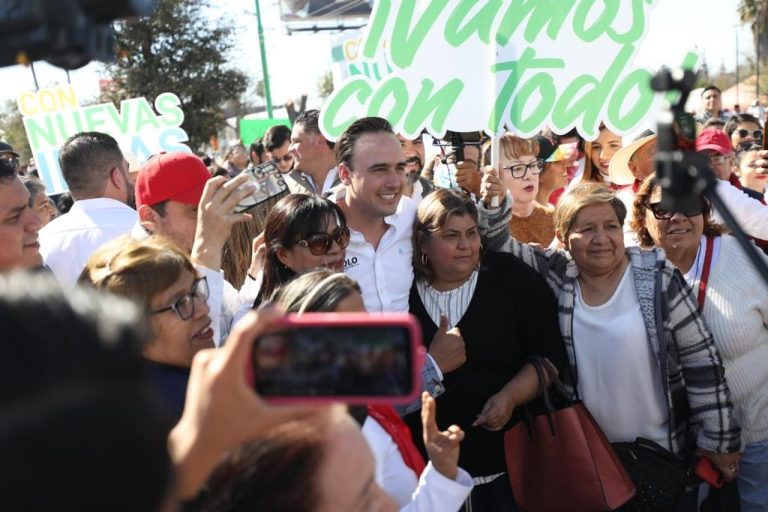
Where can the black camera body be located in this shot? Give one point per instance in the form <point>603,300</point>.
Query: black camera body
<point>66,33</point>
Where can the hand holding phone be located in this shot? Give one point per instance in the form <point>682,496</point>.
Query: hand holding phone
<point>266,182</point>
<point>707,471</point>
<point>355,358</point>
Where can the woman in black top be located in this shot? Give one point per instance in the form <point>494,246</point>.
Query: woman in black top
<point>505,313</point>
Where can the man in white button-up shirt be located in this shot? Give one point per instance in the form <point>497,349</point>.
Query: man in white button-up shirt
<point>371,167</point>
<point>97,176</point>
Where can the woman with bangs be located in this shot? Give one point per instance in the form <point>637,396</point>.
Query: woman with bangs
<point>303,232</point>
<point>160,278</point>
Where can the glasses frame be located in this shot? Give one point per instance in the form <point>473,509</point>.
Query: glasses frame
<point>535,171</point>
<point>340,235</point>
<point>288,157</point>
<point>196,291</point>
<point>755,134</point>
<point>666,215</point>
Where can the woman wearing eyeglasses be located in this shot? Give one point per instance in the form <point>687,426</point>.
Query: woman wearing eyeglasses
<point>520,168</point>
<point>302,233</point>
<point>160,277</point>
<point>734,302</point>
<point>743,129</point>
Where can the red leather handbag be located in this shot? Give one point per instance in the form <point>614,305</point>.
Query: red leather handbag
<point>561,460</point>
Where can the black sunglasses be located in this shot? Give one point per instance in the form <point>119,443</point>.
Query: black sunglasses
<point>285,158</point>
<point>756,134</point>
<point>663,214</point>
<point>320,243</point>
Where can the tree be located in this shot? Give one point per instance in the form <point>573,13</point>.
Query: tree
<point>12,130</point>
<point>755,14</point>
<point>183,50</point>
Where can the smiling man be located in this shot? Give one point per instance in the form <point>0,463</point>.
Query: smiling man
<point>19,224</point>
<point>371,167</point>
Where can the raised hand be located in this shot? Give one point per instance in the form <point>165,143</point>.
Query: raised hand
<point>491,186</point>
<point>442,447</point>
<point>447,347</point>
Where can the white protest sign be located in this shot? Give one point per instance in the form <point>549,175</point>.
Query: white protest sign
<point>53,115</point>
<point>466,65</point>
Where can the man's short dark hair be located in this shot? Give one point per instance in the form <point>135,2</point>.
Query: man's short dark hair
<point>711,88</point>
<point>257,147</point>
<point>86,160</point>
<point>345,145</point>
<point>310,121</point>
<point>82,429</point>
<point>276,136</point>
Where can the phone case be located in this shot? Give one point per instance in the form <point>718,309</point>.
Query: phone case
<point>707,471</point>
<point>417,353</point>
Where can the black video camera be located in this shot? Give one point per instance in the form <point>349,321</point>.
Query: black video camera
<point>66,33</point>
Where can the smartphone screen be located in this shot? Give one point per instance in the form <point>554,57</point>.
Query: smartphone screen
<point>268,183</point>
<point>350,363</point>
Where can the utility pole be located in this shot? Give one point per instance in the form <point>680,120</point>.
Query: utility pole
<point>262,48</point>
<point>737,63</point>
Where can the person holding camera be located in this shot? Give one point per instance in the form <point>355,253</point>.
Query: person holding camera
<point>400,469</point>
<point>735,310</point>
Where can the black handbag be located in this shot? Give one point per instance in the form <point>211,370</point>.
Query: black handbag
<point>660,477</point>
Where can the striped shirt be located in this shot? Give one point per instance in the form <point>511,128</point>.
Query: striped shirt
<point>451,303</point>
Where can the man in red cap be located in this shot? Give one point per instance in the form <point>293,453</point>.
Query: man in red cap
<point>177,198</point>
<point>717,147</point>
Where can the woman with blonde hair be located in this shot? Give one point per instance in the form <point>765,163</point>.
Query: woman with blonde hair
<point>160,278</point>
<point>643,359</point>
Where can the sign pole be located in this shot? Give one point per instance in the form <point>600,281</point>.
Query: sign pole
<point>263,50</point>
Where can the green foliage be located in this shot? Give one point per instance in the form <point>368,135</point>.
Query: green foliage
<point>12,130</point>
<point>180,50</point>
<point>325,85</point>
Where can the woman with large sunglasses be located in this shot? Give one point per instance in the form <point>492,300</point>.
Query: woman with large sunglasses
<point>160,277</point>
<point>734,302</point>
<point>743,129</point>
<point>303,232</point>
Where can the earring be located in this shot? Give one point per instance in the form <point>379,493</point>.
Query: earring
<point>481,246</point>
<point>424,259</point>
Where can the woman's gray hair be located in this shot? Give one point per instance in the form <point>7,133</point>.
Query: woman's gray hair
<point>34,185</point>
<point>320,290</point>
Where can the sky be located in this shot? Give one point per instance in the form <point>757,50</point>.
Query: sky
<point>297,61</point>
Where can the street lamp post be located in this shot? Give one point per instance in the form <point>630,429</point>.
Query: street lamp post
<point>265,72</point>
<point>737,64</point>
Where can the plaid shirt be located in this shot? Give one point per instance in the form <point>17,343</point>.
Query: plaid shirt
<point>693,375</point>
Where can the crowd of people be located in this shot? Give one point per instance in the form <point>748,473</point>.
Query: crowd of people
<point>134,312</point>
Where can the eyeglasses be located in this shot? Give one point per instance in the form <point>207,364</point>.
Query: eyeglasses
<point>285,158</point>
<point>185,306</point>
<point>320,243</point>
<point>717,160</point>
<point>756,134</point>
<point>663,214</point>
<point>519,170</point>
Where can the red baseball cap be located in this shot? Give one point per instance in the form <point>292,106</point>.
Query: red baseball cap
<point>177,177</point>
<point>714,139</point>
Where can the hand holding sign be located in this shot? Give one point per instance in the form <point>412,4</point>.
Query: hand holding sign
<point>491,188</point>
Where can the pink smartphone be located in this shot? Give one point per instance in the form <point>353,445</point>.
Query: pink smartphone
<point>354,358</point>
